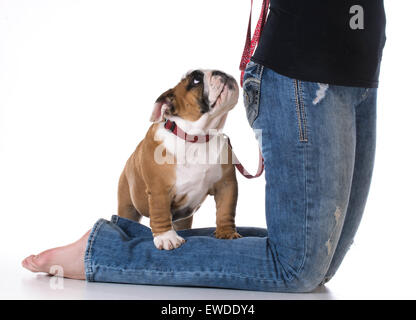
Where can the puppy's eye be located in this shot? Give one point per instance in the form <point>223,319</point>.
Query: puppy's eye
<point>195,80</point>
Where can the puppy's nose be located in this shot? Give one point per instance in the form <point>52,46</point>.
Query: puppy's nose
<point>224,77</point>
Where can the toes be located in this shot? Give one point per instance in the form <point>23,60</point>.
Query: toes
<point>30,264</point>
<point>227,234</point>
<point>177,242</point>
<point>25,264</point>
<point>168,240</point>
<point>38,263</point>
<point>236,235</point>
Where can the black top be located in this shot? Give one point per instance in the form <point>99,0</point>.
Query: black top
<point>326,41</point>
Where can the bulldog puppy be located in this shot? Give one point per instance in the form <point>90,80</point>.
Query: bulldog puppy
<point>167,178</point>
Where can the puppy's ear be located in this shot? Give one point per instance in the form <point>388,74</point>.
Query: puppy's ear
<point>164,105</point>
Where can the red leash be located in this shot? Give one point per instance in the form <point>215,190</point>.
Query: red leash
<point>251,43</point>
<point>248,51</point>
<point>241,168</point>
<point>172,127</point>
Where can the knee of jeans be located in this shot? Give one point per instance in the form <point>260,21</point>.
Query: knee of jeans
<point>307,279</point>
<point>310,276</point>
<point>302,284</point>
<point>307,284</point>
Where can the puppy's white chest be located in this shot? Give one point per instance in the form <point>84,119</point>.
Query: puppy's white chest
<point>194,181</point>
<point>198,166</point>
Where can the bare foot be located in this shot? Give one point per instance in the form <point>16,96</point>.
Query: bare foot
<point>70,258</point>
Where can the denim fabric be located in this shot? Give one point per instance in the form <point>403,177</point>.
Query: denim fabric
<point>318,143</point>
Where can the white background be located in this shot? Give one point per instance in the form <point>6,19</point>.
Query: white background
<point>77,84</point>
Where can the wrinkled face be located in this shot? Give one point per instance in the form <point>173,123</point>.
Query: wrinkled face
<point>200,94</point>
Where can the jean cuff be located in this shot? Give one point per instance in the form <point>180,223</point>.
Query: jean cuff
<point>88,265</point>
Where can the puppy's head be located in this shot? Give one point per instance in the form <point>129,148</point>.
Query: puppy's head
<point>201,94</point>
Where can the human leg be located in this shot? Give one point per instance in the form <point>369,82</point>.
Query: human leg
<point>363,169</point>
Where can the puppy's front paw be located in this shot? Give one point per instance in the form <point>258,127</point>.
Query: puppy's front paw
<point>168,240</point>
<point>227,234</point>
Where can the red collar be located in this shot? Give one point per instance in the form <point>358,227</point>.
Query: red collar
<point>172,127</point>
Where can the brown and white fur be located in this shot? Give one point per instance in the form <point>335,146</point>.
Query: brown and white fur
<point>169,192</point>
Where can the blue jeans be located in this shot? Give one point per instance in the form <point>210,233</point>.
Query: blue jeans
<point>318,143</point>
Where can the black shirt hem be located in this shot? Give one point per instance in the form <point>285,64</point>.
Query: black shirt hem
<point>305,77</point>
